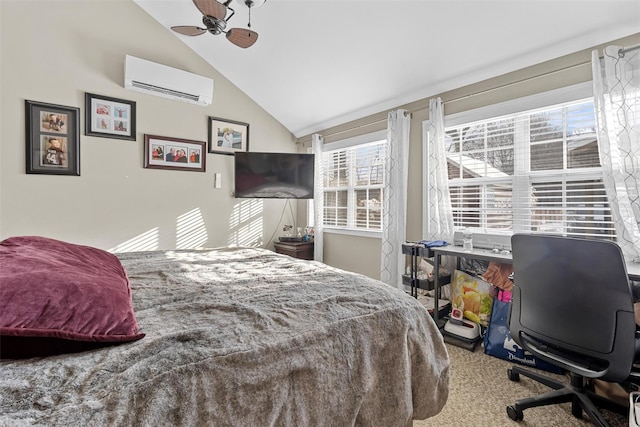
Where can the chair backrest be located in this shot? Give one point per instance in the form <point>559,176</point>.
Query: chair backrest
<point>572,304</point>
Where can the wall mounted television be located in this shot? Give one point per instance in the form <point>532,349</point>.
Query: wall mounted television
<point>274,175</point>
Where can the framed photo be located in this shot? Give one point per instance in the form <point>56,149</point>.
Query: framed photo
<point>109,117</point>
<point>227,136</point>
<point>161,152</point>
<point>53,139</point>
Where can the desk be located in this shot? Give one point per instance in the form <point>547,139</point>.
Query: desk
<point>633,268</point>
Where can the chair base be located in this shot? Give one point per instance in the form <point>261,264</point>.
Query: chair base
<point>581,398</point>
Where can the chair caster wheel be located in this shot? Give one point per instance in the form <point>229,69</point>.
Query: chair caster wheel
<point>513,376</point>
<point>514,413</point>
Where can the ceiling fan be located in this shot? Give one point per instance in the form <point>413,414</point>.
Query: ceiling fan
<point>215,19</point>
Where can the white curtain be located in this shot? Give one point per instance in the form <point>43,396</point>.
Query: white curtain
<point>438,220</point>
<point>394,217</point>
<point>317,144</point>
<point>616,83</point>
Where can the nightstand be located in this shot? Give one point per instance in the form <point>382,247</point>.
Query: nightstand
<point>300,250</point>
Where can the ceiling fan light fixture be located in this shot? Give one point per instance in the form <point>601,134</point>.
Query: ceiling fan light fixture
<point>214,18</point>
<point>252,4</point>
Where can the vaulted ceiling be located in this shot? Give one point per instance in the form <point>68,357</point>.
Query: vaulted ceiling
<point>320,63</point>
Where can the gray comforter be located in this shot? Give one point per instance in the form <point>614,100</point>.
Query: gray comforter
<point>244,337</point>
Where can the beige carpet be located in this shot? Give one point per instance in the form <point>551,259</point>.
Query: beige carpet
<point>480,392</point>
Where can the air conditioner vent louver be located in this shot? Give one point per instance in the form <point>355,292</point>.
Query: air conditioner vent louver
<point>160,80</point>
<point>164,90</point>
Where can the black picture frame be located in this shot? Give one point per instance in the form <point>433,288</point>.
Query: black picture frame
<point>237,132</point>
<point>52,139</point>
<point>163,152</point>
<point>109,117</point>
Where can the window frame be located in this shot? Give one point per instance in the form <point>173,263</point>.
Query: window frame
<point>345,144</point>
<point>543,100</point>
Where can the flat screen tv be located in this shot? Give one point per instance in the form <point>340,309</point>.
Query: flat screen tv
<point>274,175</point>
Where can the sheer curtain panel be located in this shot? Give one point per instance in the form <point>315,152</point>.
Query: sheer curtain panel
<point>317,144</point>
<point>438,219</point>
<point>616,87</point>
<point>394,217</point>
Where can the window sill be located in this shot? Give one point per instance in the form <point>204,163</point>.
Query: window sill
<point>353,232</point>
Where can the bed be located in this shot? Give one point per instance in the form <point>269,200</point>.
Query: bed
<point>231,337</point>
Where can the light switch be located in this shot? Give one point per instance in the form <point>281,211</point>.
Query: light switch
<point>218,180</point>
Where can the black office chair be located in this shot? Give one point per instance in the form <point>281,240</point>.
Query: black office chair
<point>573,307</point>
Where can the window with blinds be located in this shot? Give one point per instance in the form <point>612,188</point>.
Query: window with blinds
<point>534,171</point>
<point>354,186</point>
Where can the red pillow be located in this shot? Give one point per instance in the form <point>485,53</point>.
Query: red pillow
<point>57,297</point>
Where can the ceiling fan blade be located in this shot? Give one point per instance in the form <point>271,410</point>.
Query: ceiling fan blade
<point>211,8</point>
<point>242,37</point>
<point>189,30</point>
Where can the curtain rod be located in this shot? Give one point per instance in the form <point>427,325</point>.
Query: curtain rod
<point>460,98</point>
<point>621,53</point>
<point>324,135</point>
<point>406,113</point>
<point>624,50</point>
<point>482,92</point>
<point>506,85</point>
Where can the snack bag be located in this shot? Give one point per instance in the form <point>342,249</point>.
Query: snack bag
<point>473,296</point>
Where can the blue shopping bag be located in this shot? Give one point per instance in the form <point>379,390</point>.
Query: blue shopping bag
<point>498,341</point>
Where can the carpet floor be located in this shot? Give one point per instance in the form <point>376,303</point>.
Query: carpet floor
<point>480,391</point>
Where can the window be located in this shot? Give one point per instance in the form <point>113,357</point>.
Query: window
<point>354,185</point>
<point>532,171</point>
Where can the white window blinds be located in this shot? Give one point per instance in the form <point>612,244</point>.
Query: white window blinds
<point>533,171</point>
<point>353,186</point>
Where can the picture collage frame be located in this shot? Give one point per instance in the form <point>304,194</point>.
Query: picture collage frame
<point>53,136</point>
<point>52,139</point>
<point>109,117</point>
<point>162,152</point>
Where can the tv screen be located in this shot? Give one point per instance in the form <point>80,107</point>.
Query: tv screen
<point>274,175</point>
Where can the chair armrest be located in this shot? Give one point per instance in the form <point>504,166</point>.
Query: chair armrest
<point>581,366</point>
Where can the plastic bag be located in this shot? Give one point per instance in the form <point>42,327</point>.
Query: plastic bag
<point>473,296</point>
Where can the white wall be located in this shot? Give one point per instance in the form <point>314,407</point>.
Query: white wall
<point>54,52</point>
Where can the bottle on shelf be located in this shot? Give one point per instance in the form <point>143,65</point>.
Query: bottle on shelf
<point>467,240</point>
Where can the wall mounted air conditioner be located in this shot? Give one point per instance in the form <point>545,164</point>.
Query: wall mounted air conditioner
<point>160,80</point>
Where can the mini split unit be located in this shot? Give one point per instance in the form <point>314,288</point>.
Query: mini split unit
<point>160,80</point>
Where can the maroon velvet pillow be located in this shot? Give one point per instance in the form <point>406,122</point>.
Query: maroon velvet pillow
<point>57,297</point>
